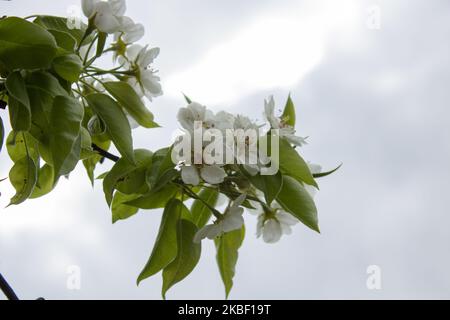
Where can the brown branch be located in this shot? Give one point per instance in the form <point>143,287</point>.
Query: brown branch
<point>105,153</point>
<point>7,290</point>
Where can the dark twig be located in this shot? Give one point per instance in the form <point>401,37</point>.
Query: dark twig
<point>105,153</point>
<point>7,290</point>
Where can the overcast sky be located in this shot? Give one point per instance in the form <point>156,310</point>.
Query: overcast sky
<point>375,100</point>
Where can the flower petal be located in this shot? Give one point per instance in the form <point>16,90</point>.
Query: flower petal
<point>232,222</point>
<point>105,21</point>
<point>118,7</point>
<point>148,57</point>
<point>272,231</point>
<point>205,232</point>
<point>213,174</point>
<point>88,7</point>
<point>286,218</point>
<point>189,175</point>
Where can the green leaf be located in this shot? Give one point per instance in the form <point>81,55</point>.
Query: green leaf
<point>188,100</point>
<point>162,168</point>
<point>188,255</point>
<point>60,24</point>
<point>165,247</point>
<point>65,143</point>
<point>64,40</point>
<point>155,200</point>
<point>2,134</point>
<point>296,200</point>
<point>20,145</point>
<point>45,182</point>
<point>86,144</point>
<point>128,99</point>
<point>126,177</point>
<point>116,122</point>
<point>121,211</point>
<point>200,212</point>
<point>101,43</point>
<point>41,107</point>
<point>227,255</point>
<point>289,113</point>
<point>19,102</point>
<point>325,174</point>
<point>292,164</point>
<point>68,67</point>
<point>46,82</point>
<point>23,177</point>
<point>269,185</point>
<point>91,163</point>
<point>25,45</point>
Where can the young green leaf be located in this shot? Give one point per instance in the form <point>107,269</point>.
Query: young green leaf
<point>188,255</point>
<point>68,67</point>
<point>65,142</point>
<point>289,113</point>
<point>325,174</point>
<point>126,177</point>
<point>296,200</point>
<point>155,199</point>
<point>121,211</point>
<point>227,255</point>
<point>25,45</point>
<point>200,212</point>
<point>161,169</point>
<point>188,100</point>
<point>23,177</point>
<point>165,248</point>
<point>292,164</point>
<point>116,122</point>
<point>64,40</point>
<point>19,102</point>
<point>61,24</point>
<point>45,182</point>
<point>128,99</point>
<point>20,145</point>
<point>269,185</point>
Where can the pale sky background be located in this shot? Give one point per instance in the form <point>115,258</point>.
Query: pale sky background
<point>376,100</point>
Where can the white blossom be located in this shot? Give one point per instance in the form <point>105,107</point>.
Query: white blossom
<point>138,59</point>
<point>231,220</point>
<point>192,113</point>
<point>106,14</point>
<point>286,131</point>
<point>272,226</point>
<point>130,31</point>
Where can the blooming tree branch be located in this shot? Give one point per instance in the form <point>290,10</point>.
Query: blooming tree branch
<point>65,109</point>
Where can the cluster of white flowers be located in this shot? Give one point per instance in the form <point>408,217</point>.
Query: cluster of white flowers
<point>243,146</point>
<point>196,114</point>
<point>272,222</point>
<point>109,17</point>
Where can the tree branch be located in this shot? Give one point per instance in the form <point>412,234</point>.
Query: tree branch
<point>7,290</point>
<point>105,153</point>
